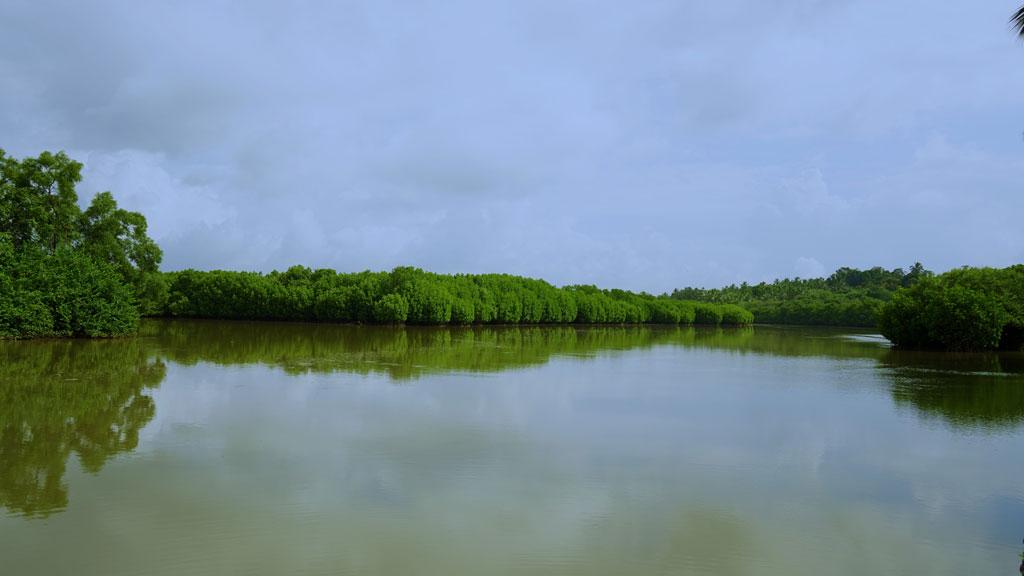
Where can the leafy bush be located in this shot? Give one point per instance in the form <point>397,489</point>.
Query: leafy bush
<point>707,314</point>
<point>391,309</point>
<point>964,309</point>
<point>733,315</point>
<point>85,297</point>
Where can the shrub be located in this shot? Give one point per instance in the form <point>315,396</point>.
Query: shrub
<point>706,314</point>
<point>733,315</point>
<point>391,309</point>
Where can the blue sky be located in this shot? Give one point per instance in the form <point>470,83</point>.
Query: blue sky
<point>644,145</point>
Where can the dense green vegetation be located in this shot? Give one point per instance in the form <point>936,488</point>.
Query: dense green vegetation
<point>963,309</point>
<point>65,271</point>
<point>412,296</point>
<point>849,297</point>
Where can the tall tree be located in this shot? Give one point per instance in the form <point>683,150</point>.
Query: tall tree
<point>67,272</point>
<point>1018,21</point>
<point>38,203</point>
<point>118,237</point>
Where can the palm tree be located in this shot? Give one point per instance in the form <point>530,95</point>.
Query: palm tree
<point>1018,21</point>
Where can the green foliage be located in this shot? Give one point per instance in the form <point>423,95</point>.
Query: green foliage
<point>963,309</point>
<point>65,272</point>
<point>428,304</point>
<point>334,305</point>
<point>733,315</point>
<point>118,237</point>
<point>38,203</point>
<point>463,311</point>
<point>391,309</point>
<point>66,293</point>
<point>23,314</point>
<point>707,314</point>
<point>68,272</point>
<point>413,296</point>
<point>85,297</point>
<point>849,297</point>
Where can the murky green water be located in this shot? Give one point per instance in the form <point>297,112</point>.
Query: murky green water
<point>233,448</point>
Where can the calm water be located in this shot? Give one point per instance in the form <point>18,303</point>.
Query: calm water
<point>234,448</point>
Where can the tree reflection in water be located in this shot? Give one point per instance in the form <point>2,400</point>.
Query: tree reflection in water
<point>974,391</point>
<point>62,397</point>
<point>89,397</point>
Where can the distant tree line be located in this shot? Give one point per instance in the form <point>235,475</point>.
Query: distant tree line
<point>849,297</point>
<point>412,296</point>
<point>65,271</point>
<point>963,309</point>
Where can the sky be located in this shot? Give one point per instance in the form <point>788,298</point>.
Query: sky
<point>645,145</point>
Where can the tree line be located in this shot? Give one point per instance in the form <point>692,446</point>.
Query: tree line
<point>848,297</point>
<point>65,271</point>
<point>409,295</point>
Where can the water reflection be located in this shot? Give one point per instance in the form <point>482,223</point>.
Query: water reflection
<point>408,353</point>
<point>964,390</point>
<point>973,391</point>
<point>64,397</point>
<point>399,353</point>
<point>89,398</point>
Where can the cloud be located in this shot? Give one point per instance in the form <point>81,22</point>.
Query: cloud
<point>647,147</point>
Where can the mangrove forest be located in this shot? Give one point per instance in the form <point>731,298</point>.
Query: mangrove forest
<point>94,272</point>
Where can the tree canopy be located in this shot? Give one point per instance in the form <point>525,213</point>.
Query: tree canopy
<point>413,296</point>
<point>65,271</point>
<point>848,297</point>
<point>963,309</point>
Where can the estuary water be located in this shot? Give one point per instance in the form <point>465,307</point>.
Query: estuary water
<point>247,448</point>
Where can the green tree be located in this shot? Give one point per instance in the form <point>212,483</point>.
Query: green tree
<point>85,297</point>
<point>38,203</point>
<point>391,309</point>
<point>963,309</point>
<point>117,236</point>
<point>66,272</point>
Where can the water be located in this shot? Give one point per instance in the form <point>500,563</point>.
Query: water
<point>236,448</point>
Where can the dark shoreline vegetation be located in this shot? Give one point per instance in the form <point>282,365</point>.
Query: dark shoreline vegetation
<point>963,309</point>
<point>65,272</point>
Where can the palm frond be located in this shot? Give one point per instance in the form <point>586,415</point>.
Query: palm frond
<point>1017,21</point>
